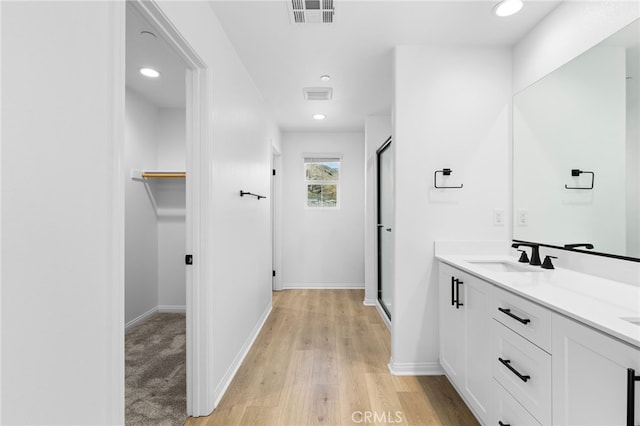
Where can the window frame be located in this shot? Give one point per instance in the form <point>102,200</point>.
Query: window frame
<point>321,157</point>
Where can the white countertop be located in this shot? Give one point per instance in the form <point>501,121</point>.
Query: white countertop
<point>595,301</point>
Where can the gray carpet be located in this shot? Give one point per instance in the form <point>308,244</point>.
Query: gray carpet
<point>155,373</point>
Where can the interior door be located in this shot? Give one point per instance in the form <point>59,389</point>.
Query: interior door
<point>385,226</point>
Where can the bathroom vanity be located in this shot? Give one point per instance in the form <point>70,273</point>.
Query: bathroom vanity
<point>529,346</point>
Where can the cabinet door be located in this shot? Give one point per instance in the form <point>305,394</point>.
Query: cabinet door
<point>477,312</point>
<point>451,325</point>
<point>590,376</point>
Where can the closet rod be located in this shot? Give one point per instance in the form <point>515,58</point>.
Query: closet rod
<point>163,175</point>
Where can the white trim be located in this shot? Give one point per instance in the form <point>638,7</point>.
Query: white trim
<point>116,217</point>
<point>235,365</point>
<point>199,363</point>
<point>337,183</point>
<point>140,318</point>
<point>322,286</point>
<point>276,221</point>
<point>1,218</point>
<point>153,311</point>
<point>172,308</point>
<point>383,315</point>
<point>415,368</point>
<point>369,302</point>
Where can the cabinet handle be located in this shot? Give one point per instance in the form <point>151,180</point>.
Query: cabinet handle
<point>453,297</point>
<point>515,317</point>
<point>631,395</point>
<point>458,304</point>
<point>503,424</point>
<point>507,362</point>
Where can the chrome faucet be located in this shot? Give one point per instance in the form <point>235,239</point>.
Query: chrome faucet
<point>535,252</point>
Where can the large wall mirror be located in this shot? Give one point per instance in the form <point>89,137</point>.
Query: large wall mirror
<point>576,152</point>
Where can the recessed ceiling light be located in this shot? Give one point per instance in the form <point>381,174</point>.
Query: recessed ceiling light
<point>507,7</point>
<point>325,77</point>
<point>149,72</point>
<point>319,116</point>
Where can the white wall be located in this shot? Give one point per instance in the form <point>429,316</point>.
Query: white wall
<point>170,138</point>
<point>239,244</point>
<point>141,230</point>
<point>377,130</point>
<point>569,30</point>
<point>60,283</point>
<point>323,247</point>
<point>451,109</point>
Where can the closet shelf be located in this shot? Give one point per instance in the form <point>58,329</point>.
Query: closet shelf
<point>162,174</point>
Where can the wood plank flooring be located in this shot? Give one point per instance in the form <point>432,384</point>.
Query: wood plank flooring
<point>321,359</point>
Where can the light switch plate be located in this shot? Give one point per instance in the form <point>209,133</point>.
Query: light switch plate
<point>523,217</point>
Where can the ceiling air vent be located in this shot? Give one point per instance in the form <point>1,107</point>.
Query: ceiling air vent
<point>311,11</point>
<point>318,93</point>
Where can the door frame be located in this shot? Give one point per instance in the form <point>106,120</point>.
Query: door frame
<point>276,240</point>
<point>199,345</point>
<point>386,145</point>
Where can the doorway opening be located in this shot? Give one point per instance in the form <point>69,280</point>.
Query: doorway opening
<point>155,226</point>
<point>384,163</point>
<point>187,197</point>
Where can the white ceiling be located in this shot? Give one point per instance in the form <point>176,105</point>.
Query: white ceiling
<point>356,50</point>
<point>167,91</point>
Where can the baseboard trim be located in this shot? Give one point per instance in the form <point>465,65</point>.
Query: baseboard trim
<point>172,308</point>
<point>415,368</point>
<point>128,326</point>
<point>369,302</point>
<point>235,365</point>
<point>152,311</point>
<point>321,286</point>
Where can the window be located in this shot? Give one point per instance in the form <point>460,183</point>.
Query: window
<point>322,181</point>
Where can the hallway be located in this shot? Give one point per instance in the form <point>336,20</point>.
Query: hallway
<point>321,358</point>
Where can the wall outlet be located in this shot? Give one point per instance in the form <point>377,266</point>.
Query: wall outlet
<point>523,217</point>
<point>498,217</point>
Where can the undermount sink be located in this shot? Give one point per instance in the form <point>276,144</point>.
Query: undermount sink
<point>503,266</point>
<point>632,320</point>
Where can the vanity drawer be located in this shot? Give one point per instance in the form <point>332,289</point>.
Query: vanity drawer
<point>531,321</point>
<point>507,411</point>
<point>524,370</point>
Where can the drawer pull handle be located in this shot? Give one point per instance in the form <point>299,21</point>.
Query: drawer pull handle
<point>507,362</point>
<point>631,395</point>
<point>503,424</point>
<point>458,304</point>
<point>515,317</point>
<point>453,290</point>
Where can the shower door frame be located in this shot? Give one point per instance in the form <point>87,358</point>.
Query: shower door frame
<point>386,145</point>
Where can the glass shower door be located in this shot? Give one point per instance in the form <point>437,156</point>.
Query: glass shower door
<point>385,226</point>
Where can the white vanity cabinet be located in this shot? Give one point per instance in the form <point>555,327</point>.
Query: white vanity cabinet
<point>465,336</point>
<point>590,376</point>
<point>516,362</point>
